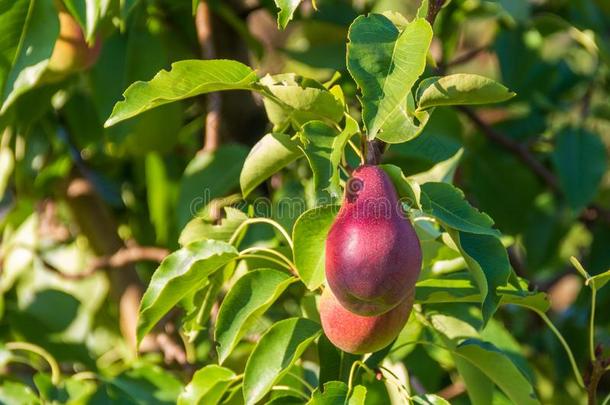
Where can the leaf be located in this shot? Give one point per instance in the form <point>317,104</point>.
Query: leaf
<point>309,236</point>
<point>28,30</point>
<point>460,89</point>
<point>336,393</point>
<point>599,280</point>
<point>496,365</point>
<point>208,176</point>
<point>293,101</point>
<point>17,394</point>
<point>272,153</point>
<point>207,386</point>
<point>199,229</point>
<point>245,302</point>
<point>385,63</point>
<point>442,172</point>
<point>488,262</point>
<point>580,160</point>
<point>338,146</point>
<point>287,9</point>
<point>430,399</point>
<point>318,139</point>
<point>459,287</point>
<point>275,353</point>
<point>179,274</point>
<point>404,124</point>
<point>187,78</point>
<point>408,190</point>
<point>480,388</point>
<point>447,204</point>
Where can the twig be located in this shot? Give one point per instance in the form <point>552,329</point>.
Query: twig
<point>452,391</point>
<point>466,57</point>
<point>591,212</point>
<point>433,8</point>
<point>203,24</point>
<point>130,255</point>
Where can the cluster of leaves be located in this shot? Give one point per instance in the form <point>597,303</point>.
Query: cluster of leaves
<point>247,277</point>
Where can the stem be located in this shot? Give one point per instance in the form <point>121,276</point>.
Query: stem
<point>290,389</point>
<point>352,372</point>
<point>55,372</point>
<point>271,259</point>
<point>592,324</point>
<point>302,381</point>
<point>356,150</point>
<point>270,251</point>
<point>271,222</point>
<point>565,346</point>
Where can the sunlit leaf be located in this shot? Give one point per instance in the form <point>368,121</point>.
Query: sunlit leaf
<point>207,386</point>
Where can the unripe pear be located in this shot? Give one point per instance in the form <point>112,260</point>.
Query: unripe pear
<point>361,334</point>
<point>373,255</point>
<point>71,52</point>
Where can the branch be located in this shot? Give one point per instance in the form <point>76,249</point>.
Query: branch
<point>203,24</point>
<point>433,8</point>
<point>129,255</point>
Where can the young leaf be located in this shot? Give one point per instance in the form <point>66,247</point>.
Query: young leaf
<point>309,236</point>
<point>28,30</point>
<point>293,101</point>
<point>460,89</point>
<point>274,354</point>
<point>187,78</point>
<point>318,140</point>
<point>246,301</point>
<point>385,63</point>
<point>207,386</point>
<point>580,159</point>
<point>272,153</point>
<point>447,204</point>
<point>338,146</point>
<point>179,274</point>
<point>287,9</point>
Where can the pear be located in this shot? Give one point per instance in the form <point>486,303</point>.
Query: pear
<point>361,334</point>
<point>373,255</point>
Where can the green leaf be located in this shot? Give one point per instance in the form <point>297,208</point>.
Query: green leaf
<point>488,262</point>
<point>599,280</point>
<point>496,365</point>
<point>460,287</point>
<point>580,160</point>
<point>178,275</point>
<point>14,393</point>
<point>199,229</point>
<point>293,101</point>
<point>28,30</point>
<point>275,353</point>
<point>480,388</point>
<point>245,302</point>
<point>447,204</point>
<point>338,146</point>
<point>208,176</point>
<point>408,190</point>
<point>318,138</point>
<point>442,172</point>
<point>187,78</point>
<point>336,393</point>
<point>404,124</point>
<point>430,399</point>
<point>287,9</point>
<point>207,386</point>
<point>385,63</point>
<point>460,89</point>
<point>272,153</point>
<point>309,236</point>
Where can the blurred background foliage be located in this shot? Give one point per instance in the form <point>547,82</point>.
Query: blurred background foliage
<point>74,193</point>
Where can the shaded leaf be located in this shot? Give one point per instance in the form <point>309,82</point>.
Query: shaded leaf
<point>318,138</point>
<point>272,153</point>
<point>309,236</point>
<point>245,302</point>
<point>274,353</point>
<point>580,160</point>
<point>338,146</point>
<point>187,78</point>
<point>178,275</point>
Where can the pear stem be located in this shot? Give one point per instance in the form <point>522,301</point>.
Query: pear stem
<point>373,151</point>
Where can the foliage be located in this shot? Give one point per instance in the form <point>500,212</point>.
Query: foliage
<point>142,265</point>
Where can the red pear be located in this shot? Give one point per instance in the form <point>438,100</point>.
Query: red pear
<point>361,334</point>
<point>373,255</point>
